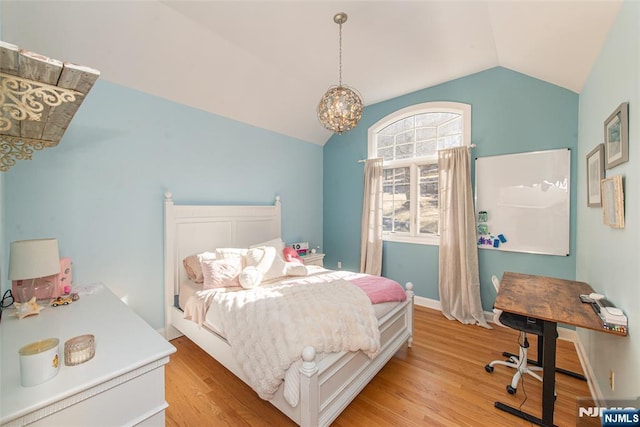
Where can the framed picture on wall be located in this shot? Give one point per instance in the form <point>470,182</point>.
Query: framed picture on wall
<point>595,174</point>
<point>613,202</point>
<point>616,136</point>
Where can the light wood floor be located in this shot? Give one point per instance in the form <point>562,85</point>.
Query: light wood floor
<point>440,381</point>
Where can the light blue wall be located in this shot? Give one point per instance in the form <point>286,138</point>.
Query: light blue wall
<point>511,113</point>
<point>100,191</point>
<point>608,258</point>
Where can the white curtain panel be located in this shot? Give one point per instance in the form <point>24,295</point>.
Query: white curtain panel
<point>458,282</point>
<point>371,231</point>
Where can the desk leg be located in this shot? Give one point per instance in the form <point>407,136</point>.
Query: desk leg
<point>549,333</point>
<point>548,357</point>
<point>538,362</point>
<point>540,347</point>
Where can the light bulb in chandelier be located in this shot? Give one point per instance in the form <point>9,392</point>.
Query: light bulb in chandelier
<point>340,108</point>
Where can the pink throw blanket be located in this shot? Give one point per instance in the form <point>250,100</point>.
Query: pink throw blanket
<point>380,289</point>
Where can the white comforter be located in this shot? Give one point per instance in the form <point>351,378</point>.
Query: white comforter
<point>267,328</point>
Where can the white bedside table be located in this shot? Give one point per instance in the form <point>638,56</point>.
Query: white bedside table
<point>122,385</point>
<point>314,259</point>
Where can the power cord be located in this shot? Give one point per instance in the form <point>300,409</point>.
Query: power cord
<point>6,301</point>
<point>522,335</point>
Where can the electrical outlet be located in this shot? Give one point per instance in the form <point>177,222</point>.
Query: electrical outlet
<point>339,264</point>
<point>612,379</point>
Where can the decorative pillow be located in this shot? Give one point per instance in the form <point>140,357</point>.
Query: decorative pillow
<point>290,255</point>
<point>193,268</point>
<point>268,261</point>
<point>232,254</point>
<point>260,257</point>
<point>250,277</point>
<point>296,269</point>
<point>221,273</point>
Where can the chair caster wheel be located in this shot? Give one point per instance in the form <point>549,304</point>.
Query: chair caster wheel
<point>511,390</point>
<point>488,368</point>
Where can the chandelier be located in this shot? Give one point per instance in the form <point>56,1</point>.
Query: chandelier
<point>340,108</point>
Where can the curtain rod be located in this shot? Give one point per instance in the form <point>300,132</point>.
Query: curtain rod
<point>364,160</point>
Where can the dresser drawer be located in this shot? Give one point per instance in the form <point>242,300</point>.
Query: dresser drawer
<point>314,259</point>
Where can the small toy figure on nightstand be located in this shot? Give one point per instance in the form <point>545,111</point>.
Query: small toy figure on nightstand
<point>65,300</point>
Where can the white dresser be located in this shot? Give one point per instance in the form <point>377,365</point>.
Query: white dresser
<point>314,259</point>
<point>123,385</point>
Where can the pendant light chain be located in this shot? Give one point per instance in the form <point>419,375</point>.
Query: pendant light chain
<point>340,62</point>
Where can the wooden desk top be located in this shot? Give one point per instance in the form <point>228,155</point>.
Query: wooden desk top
<point>548,298</point>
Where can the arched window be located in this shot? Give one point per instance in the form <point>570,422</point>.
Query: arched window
<point>408,141</point>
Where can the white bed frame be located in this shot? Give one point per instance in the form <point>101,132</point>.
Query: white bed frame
<point>327,386</point>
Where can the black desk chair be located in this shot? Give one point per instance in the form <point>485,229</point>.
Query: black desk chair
<point>525,325</point>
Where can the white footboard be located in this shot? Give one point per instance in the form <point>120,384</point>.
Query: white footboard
<point>327,386</point>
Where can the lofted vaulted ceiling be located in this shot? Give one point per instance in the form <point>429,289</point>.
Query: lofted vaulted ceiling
<point>267,63</point>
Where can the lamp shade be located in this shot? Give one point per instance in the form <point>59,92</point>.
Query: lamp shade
<point>31,259</point>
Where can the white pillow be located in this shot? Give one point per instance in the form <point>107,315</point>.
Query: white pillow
<point>232,254</point>
<point>262,258</point>
<point>268,260</point>
<point>296,269</point>
<point>221,273</point>
<point>250,277</point>
<point>192,265</point>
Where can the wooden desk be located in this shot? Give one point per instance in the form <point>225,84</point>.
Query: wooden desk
<point>553,301</point>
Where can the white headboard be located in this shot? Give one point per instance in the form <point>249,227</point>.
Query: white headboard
<point>191,229</point>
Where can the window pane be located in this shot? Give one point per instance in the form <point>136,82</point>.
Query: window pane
<point>434,119</point>
<point>453,127</point>
<point>426,148</point>
<point>386,153</point>
<point>405,137</point>
<point>396,200</point>
<point>422,134</point>
<point>404,151</point>
<point>428,209</point>
<point>399,126</point>
<point>384,141</point>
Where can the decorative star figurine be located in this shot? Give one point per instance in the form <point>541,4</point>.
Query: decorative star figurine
<point>27,308</point>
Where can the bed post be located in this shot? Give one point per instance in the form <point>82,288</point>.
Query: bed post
<point>170,332</point>
<point>410,294</point>
<point>278,205</point>
<point>309,393</point>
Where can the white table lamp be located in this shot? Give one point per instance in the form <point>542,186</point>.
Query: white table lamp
<point>33,259</point>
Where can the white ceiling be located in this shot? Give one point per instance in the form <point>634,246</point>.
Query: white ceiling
<point>267,63</point>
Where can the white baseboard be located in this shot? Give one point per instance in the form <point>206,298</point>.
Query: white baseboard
<point>427,302</point>
<point>594,387</point>
<point>565,334</point>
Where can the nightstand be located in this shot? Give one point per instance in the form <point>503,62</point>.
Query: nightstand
<point>122,385</point>
<point>314,259</point>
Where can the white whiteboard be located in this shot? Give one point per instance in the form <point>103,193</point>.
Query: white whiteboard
<point>526,198</point>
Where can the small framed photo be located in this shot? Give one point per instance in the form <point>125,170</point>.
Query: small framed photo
<point>595,174</point>
<point>613,202</point>
<point>616,136</point>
